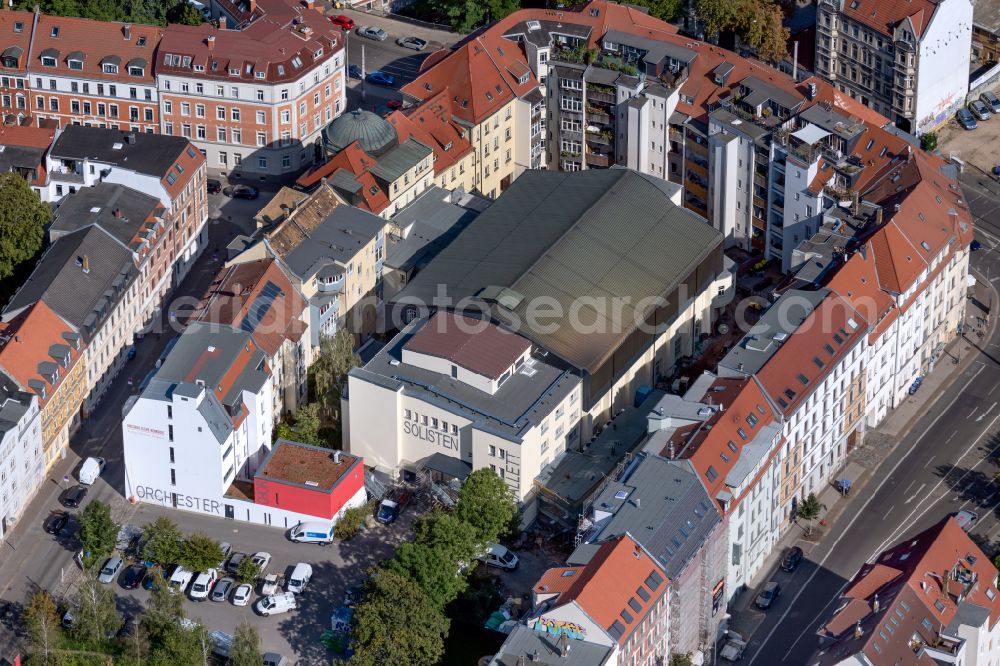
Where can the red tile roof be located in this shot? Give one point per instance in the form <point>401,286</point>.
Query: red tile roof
<point>98,42</point>
<point>25,342</point>
<point>906,585</point>
<point>269,45</point>
<point>233,297</point>
<point>432,124</point>
<point>354,161</point>
<point>885,15</point>
<point>14,39</point>
<point>607,588</point>
<point>474,344</point>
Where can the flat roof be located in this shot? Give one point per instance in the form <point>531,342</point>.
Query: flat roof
<point>520,403</point>
<point>304,465</point>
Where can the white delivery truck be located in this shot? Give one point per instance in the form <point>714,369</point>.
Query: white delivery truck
<point>91,469</point>
<point>311,532</point>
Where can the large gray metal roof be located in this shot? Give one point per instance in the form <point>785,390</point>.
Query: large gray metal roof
<point>433,222</point>
<point>334,242</point>
<point>400,159</point>
<point>663,505</point>
<point>374,132</point>
<point>565,237</point>
<point>120,210</point>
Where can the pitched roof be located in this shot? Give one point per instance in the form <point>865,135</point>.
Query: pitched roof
<point>937,578</point>
<point>38,349</point>
<point>432,123</point>
<point>885,15</point>
<point>15,39</point>
<point>349,172</point>
<point>617,587</point>
<point>127,215</point>
<point>94,44</point>
<point>474,344</point>
<point>256,297</point>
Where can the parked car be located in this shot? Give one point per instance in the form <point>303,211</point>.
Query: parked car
<point>965,119</point>
<point>71,498</point>
<point>996,170</point>
<point>180,579</point>
<point>733,648</point>
<point>262,560</point>
<point>110,569</point>
<point>213,186</point>
<point>414,43</point>
<point>242,192</point>
<point>226,549</point>
<point>149,582</point>
<point>56,521</point>
<point>979,110</point>
<point>242,594</point>
<point>133,576</point>
<point>276,603</point>
<point>275,659</point>
<point>234,562</point>
<point>498,556</point>
<point>345,22</point>
<point>967,519</point>
<point>991,100</point>
<point>270,584</point>
<point>380,78</point>
<point>300,577</point>
<point>371,32</point>
<point>91,469</point>
<point>203,584</point>
<point>388,511</point>
<point>354,71</point>
<point>394,104</point>
<point>768,596</point>
<point>975,245</point>
<point>67,619</point>
<point>222,589</point>
<point>792,560</point>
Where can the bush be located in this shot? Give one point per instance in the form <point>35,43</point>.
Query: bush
<point>929,141</point>
<point>350,523</point>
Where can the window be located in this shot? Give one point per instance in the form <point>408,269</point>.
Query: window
<point>199,110</point>
<point>185,109</point>
<point>220,134</point>
<point>235,114</point>
<point>284,93</point>
<point>286,116</point>
<point>261,118</point>
<point>260,95</point>
<point>261,162</point>
<point>110,68</point>
<point>170,432</point>
<point>261,139</point>
<point>220,113</point>
<point>50,62</point>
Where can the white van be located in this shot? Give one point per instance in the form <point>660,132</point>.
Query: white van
<point>276,603</point>
<point>91,469</point>
<point>180,579</point>
<point>498,556</point>
<point>313,532</point>
<point>299,578</point>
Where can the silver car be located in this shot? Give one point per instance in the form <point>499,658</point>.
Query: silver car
<point>414,43</point>
<point>371,32</point>
<point>110,569</point>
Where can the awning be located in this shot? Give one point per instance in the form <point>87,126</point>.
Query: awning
<point>453,467</point>
<point>810,134</point>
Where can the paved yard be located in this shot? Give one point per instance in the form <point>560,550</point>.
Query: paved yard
<point>977,148</point>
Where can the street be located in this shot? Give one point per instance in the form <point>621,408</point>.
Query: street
<point>946,463</point>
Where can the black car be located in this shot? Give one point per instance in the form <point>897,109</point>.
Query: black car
<point>56,521</point>
<point>149,581</point>
<point>241,192</point>
<point>214,186</point>
<point>792,559</point>
<point>234,562</point>
<point>72,497</point>
<point>132,576</point>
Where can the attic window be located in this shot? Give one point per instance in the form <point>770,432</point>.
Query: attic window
<point>781,401</point>
<point>921,216</point>
<point>937,198</point>
<point>296,62</point>
<point>489,96</point>
<point>533,25</point>
<point>871,142</point>
<point>751,420</point>
<point>55,31</point>
<point>939,605</point>
<point>802,379</point>
<point>883,151</point>
<point>568,573</point>
<point>642,593</point>
<point>742,433</point>
<point>790,394</point>
<point>829,349</point>
<point>711,474</point>
<point>500,51</point>
<point>855,4</point>
<point>110,68</point>
<point>48,62</point>
<point>141,41</point>
<point>839,340</point>
<point>259,75</point>
<point>818,362</point>
<point>18,27</point>
<point>990,594</point>
<point>595,12</point>
<point>234,71</point>
<point>732,447</point>
<point>281,70</point>
<point>724,457</point>
<point>625,615</point>
<point>427,86</point>
<point>373,190</point>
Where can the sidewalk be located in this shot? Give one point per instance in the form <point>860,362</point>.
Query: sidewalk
<point>878,443</point>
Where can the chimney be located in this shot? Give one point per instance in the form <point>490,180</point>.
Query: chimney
<point>222,22</point>
<point>858,631</point>
<point>812,91</point>
<point>875,604</point>
<point>86,264</point>
<point>336,457</point>
<point>637,502</point>
<point>252,5</point>
<point>310,4</point>
<point>534,656</point>
<point>127,31</point>
<point>878,216</point>
<point>210,41</point>
<point>563,646</point>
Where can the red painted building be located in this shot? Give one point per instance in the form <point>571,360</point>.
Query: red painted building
<point>309,480</point>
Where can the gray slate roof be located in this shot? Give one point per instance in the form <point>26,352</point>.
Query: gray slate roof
<point>567,236</point>
<point>77,211</point>
<point>151,154</point>
<point>400,159</point>
<point>20,157</point>
<point>433,222</point>
<point>673,515</point>
<point>523,643</point>
<point>334,242</point>
<point>82,299</point>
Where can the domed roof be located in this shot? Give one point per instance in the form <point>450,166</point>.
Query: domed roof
<point>373,131</point>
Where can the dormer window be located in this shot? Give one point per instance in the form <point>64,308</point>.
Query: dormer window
<point>110,68</point>
<point>136,71</point>
<point>199,68</point>
<point>233,71</point>
<point>318,53</point>
<point>9,61</point>
<point>48,62</point>
<point>141,41</point>
<point>259,74</point>
<point>281,70</point>
<point>75,64</point>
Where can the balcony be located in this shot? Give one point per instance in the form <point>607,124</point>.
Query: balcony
<point>597,115</point>
<point>330,285</point>
<point>599,97</point>
<point>598,160</point>
<point>602,138</point>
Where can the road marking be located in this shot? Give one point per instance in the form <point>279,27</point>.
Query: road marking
<point>888,512</point>
<point>922,486</point>
<point>950,437</point>
<point>906,524</point>
<point>996,386</point>
<point>909,486</point>
<point>992,407</point>
<point>971,413</point>
<point>820,564</point>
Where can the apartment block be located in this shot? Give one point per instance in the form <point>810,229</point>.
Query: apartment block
<point>23,467</point>
<point>899,59</point>
<point>254,98</point>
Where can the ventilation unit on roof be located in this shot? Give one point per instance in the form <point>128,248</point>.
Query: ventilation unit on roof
<point>528,371</point>
<point>314,484</point>
<point>534,25</point>
<point>780,337</point>
<point>117,146</point>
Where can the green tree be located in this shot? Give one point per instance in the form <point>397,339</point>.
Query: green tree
<point>336,358</point>
<point>761,28</point>
<point>463,15</point>
<point>485,502</point>
<point>248,571</point>
<point>200,553</point>
<point>397,625</point>
<point>98,532</point>
<point>42,622</point>
<point>184,14</point>
<point>719,15</point>
<point>996,560</point>
<point>667,10</point>
<point>246,646</point>
<point>164,612</point>
<point>305,427</point>
<point>808,510</point>
<point>163,541</point>
<point>137,644</point>
<point>351,521</point>
<point>23,217</point>
<point>441,578</point>
<point>929,141</point>
<point>95,616</point>
<point>681,660</point>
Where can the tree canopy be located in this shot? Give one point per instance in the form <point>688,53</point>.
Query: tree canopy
<point>245,650</point>
<point>23,217</point>
<point>200,553</point>
<point>152,12</point>
<point>396,624</point>
<point>486,503</point>
<point>757,22</point>
<point>163,541</point>
<point>305,427</point>
<point>42,622</point>
<point>98,532</point>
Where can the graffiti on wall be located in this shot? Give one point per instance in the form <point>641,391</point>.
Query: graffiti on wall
<point>554,627</point>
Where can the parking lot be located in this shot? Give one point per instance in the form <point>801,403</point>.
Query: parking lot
<point>976,147</point>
